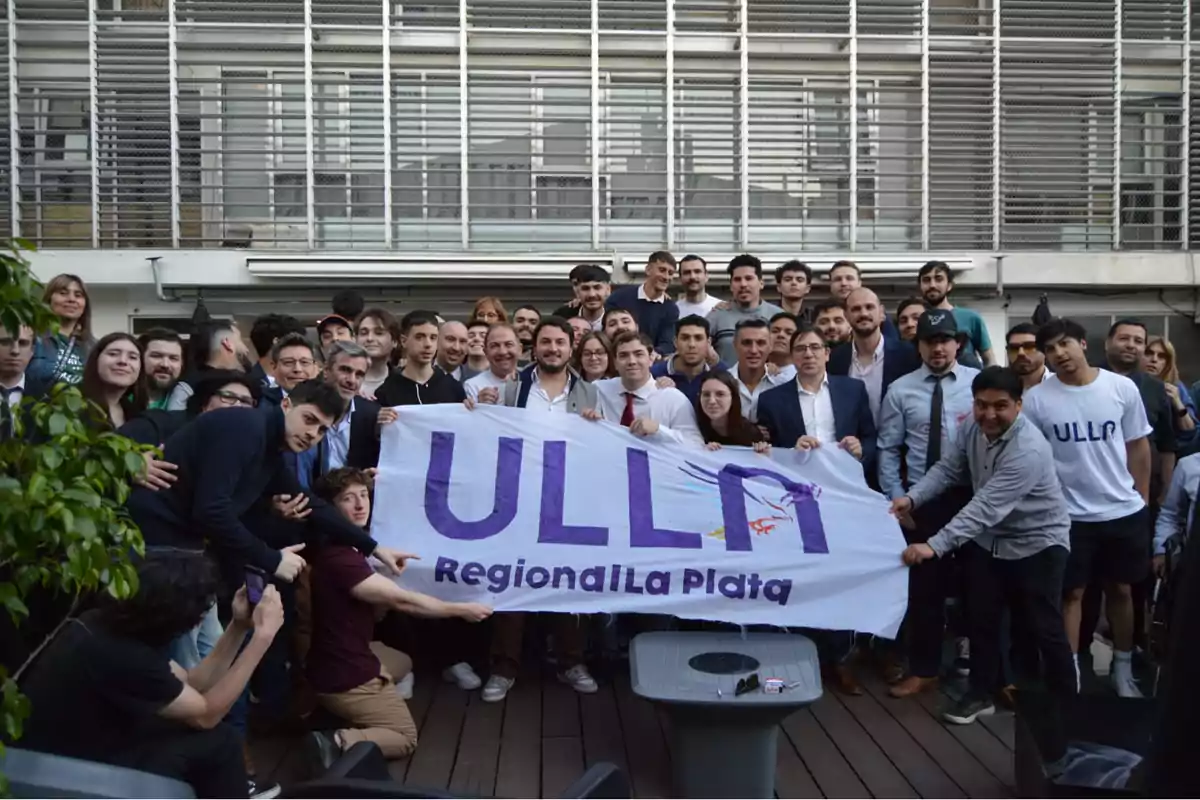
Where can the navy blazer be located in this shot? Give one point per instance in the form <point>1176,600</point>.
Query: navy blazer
<point>899,359</point>
<point>779,412</point>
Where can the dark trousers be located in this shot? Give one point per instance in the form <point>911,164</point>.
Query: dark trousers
<point>211,761</point>
<point>929,583</point>
<point>1031,590</point>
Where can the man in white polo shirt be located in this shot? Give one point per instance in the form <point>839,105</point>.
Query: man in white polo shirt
<point>503,350</point>
<point>1097,428</point>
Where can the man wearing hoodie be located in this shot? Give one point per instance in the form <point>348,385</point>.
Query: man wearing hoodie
<point>419,383</point>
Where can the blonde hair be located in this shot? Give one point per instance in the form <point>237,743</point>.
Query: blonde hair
<point>1170,373</point>
<point>496,305</point>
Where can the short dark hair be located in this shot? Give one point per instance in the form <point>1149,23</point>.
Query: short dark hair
<point>201,343</point>
<point>590,273</point>
<point>911,301</point>
<point>269,327</point>
<point>478,323</point>
<point>384,317</point>
<point>328,487</point>
<point>1022,327</point>
<point>795,265</point>
<point>175,589</point>
<point>827,305</point>
<point>633,336</point>
<point>1002,379</point>
<point>694,321</point>
<point>608,312</point>
<point>159,335</point>
<point>845,263</point>
<point>554,322</point>
<point>528,308</point>
<point>935,266</point>
<point>347,304</point>
<point>1130,322</point>
<point>317,392</point>
<point>1059,327</point>
<point>744,260</point>
<point>417,317</point>
<point>211,381</point>
<point>802,331</point>
<point>292,340</point>
<point>756,323</point>
<point>694,257</point>
<point>661,257</point>
<point>576,271</point>
<point>783,315</point>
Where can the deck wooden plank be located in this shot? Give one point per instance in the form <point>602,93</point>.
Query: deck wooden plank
<point>792,778</point>
<point>560,708</point>
<point>268,754</point>
<point>475,768</point>
<point>977,739</point>
<point>519,770</point>
<point>418,706</point>
<point>562,763</point>
<point>831,771</point>
<point>868,761</point>
<point>437,747</point>
<point>948,752</point>
<point>1002,725</point>
<point>602,738</point>
<point>922,772</point>
<point>645,745</point>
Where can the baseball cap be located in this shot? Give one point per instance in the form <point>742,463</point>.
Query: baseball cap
<point>334,319</point>
<point>936,323</point>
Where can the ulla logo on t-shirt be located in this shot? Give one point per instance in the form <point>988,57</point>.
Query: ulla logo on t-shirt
<point>1085,431</point>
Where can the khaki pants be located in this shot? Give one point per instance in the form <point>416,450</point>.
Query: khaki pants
<point>375,710</point>
<point>508,632</point>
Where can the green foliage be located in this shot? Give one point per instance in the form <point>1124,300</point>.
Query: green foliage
<point>63,487</point>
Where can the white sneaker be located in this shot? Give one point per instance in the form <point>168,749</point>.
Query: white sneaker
<point>1124,683</point>
<point>579,679</point>
<point>497,688</point>
<point>404,687</point>
<point>462,674</point>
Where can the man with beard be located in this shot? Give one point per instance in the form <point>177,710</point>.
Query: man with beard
<point>870,356</point>
<point>592,285</point>
<point>547,386</point>
<point>525,319</point>
<point>829,320</point>
<point>1024,357</point>
<point>935,282</point>
<point>162,361</point>
<point>844,278</point>
<point>618,321</point>
<point>215,345</point>
<point>746,284</point>
<point>693,278</point>
<point>656,314</point>
<point>920,418</point>
<point>452,350</point>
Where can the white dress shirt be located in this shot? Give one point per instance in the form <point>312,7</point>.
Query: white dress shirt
<point>870,374</point>
<point>338,440</point>
<point>817,410</point>
<point>16,392</point>
<point>540,400</point>
<point>484,380</point>
<point>670,408</point>
<point>641,295</point>
<point>750,398</point>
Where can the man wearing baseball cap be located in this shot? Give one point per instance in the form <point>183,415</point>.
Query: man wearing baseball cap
<point>333,328</point>
<point>921,413</point>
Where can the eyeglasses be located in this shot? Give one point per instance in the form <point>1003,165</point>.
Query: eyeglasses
<point>808,348</point>
<point>746,685</point>
<point>292,363</point>
<point>593,354</point>
<point>1028,347</point>
<point>235,399</point>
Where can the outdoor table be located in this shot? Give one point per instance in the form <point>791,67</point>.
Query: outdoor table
<point>723,745</point>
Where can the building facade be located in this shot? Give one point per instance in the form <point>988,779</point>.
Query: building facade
<point>263,151</point>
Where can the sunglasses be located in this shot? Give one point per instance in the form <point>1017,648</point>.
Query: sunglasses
<point>1022,348</point>
<point>746,685</point>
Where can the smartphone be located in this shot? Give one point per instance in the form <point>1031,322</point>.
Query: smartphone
<point>256,582</point>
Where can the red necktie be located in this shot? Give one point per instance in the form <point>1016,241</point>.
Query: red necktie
<point>627,416</point>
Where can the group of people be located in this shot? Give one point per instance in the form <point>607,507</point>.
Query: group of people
<point>1033,493</point>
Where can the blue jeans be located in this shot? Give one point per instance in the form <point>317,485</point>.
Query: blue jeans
<point>194,646</point>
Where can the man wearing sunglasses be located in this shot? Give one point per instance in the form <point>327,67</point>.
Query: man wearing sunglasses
<point>1023,356</point>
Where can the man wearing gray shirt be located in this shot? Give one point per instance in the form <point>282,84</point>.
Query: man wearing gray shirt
<point>1013,538</point>
<point>746,285</point>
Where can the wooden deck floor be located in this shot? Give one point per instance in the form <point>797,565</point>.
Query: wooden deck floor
<point>545,735</point>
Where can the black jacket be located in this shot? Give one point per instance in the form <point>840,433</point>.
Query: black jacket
<point>399,390</point>
<point>153,426</point>
<point>228,461</point>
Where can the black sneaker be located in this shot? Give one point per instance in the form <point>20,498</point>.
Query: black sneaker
<point>262,792</point>
<point>322,749</point>
<point>966,710</point>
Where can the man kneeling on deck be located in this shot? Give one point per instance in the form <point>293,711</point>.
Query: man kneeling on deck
<point>1013,538</point>
<point>347,596</point>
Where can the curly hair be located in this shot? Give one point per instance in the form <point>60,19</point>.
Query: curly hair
<point>328,487</point>
<point>176,588</point>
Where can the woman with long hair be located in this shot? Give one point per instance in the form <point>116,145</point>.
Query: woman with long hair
<point>59,357</point>
<point>489,310</point>
<point>1159,360</point>
<point>378,332</point>
<point>113,379</point>
<point>719,415</point>
<point>593,357</point>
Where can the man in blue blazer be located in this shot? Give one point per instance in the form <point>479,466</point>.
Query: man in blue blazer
<point>870,356</point>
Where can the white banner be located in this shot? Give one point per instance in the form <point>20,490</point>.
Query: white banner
<point>550,512</point>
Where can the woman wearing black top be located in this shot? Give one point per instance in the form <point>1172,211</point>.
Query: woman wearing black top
<point>719,415</point>
<point>114,381</point>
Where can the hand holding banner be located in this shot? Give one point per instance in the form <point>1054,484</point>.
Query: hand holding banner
<point>550,512</point>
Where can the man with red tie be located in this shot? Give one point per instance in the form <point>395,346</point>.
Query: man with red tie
<point>637,403</point>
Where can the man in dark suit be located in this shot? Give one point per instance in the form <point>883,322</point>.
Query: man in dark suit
<point>15,355</point>
<point>870,356</point>
<point>817,410</point>
<point>352,440</point>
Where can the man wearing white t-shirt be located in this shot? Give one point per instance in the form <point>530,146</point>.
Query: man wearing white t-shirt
<point>1097,428</point>
<point>693,277</point>
<point>503,349</point>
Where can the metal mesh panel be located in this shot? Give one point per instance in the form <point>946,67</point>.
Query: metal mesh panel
<point>960,17</point>
<point>889,17</point>
<point>960,144</point>
<point>1153,19</point>
<point>890,159</point>
<point>633,15</point>
<point>348,13</point>
<point>798,16</point>
<point>1152,153</point>
<point>1057,128</point>
<point>6,165</point>
<point>426,163</point>
<point>708,162</point>
<point>243,12</point>
<point>633,156</point>
<point>547,14</point>
<point>1193,187</point>
<point>708,16</point>
<point>51,10</point>
<point>424,14</point>
<point>1066,19</point>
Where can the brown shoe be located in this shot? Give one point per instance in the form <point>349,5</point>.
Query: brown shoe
<point>1007,698</point>
<point>842,678</point>
<point>912,685</point>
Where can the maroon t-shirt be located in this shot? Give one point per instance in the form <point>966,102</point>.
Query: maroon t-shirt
<point>340,657</point>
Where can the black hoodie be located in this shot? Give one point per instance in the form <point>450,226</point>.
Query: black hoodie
<point>400,390</point>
